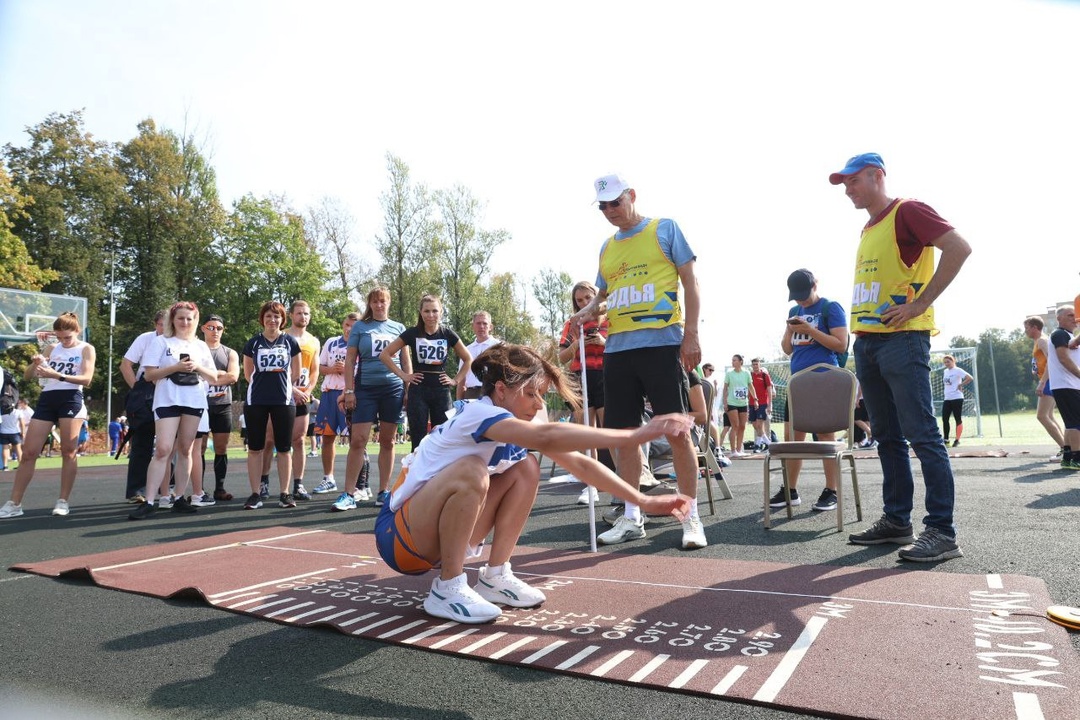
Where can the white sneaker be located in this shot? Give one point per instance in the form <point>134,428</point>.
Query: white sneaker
<point>363,495</point>
<point>326,486</point>
<point>506,588</point>
<point>165,502</point>
<point>583,498</point>
<point>10,510</point>
<point>693,534</point>
<point>61,508</point>
<point>455,600</point>
<point>204,500</point>
<point>623,530</point>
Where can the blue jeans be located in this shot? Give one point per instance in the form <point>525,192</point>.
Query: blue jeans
<point>894,371</point>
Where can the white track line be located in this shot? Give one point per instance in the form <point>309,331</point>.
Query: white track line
<point>428,633</point>
<point>403,628</point>
<point>512,647</point>
<point>612,663</point>
<point>355,620</point>
<point>543,651</point>
<point>376,624</point>
<point>1027,706</point>
<point>649,667</point>
<point>309,613</point>
<point>688,674</point>
<point>482,642</point>
<point>453,638</point>
<point>204,550</point>
<point>314,573</point>
<point>994,582</point>
<point>282,611</point>
<point>577,658</point>
<point>790,661</point>
<point>741,591</point>
<point>729,680</point>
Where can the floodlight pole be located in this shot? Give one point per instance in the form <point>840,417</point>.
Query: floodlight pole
<point>993,374</point>
<point>112,326</point>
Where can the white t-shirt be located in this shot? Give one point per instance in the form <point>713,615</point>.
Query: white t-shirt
<point>165,352</point>
<point>459,437</point>
<point>138,349</point>
<point>475,349</point>
<point>9,424</point>
<point>333,351</point>
<point>952,377</point>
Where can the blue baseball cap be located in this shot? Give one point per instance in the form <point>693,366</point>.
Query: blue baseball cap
<point>856,164</point>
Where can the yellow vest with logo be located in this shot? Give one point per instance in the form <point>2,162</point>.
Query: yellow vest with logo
<point>642,283</point>
<point>882,280</point>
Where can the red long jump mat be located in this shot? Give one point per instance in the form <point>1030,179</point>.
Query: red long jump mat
<point>844,642</point>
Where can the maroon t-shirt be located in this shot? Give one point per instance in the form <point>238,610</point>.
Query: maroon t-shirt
<point>917,225</point>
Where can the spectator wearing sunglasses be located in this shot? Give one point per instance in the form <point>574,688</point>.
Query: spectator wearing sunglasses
<point>652,339</point>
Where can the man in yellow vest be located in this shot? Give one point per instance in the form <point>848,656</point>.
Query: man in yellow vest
<point>652,340</point>
<point>893,318</point>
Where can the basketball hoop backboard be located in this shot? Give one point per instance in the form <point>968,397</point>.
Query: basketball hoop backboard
<point>24,313</point>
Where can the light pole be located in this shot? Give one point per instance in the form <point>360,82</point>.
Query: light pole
<point>112,326</point>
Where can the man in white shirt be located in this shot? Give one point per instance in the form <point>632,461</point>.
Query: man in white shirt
<point>469,389</point>
<point>141,436</point>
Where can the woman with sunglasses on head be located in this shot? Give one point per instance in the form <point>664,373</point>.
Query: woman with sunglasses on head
<point>271,364</point>
<point>180,366</point>
<point>427,389</point>
<point>64,370</point>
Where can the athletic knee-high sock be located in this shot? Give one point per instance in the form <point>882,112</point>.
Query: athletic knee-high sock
<point>221,467</point>
<point>362,478</point>
<point>959,430</point>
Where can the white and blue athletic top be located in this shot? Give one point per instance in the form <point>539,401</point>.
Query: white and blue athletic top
<point>459,437</point>
<point>675,248</point>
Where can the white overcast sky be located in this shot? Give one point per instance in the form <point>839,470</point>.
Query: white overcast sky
<point>727,117</point>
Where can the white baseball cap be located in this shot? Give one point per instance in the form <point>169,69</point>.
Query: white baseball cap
<point>610,187</point>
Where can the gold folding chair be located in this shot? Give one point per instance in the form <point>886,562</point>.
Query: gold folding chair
<point>821,399</point>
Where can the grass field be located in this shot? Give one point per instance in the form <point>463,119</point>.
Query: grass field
<point>1015,429</point>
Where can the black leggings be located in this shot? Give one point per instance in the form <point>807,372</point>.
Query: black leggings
<point>954,408</point>
<point>426,402</point>
<point>280,416</point>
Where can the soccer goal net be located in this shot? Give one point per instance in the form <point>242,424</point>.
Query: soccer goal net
<point>780,371</point>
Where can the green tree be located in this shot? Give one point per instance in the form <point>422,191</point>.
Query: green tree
<point>407,242</point>
<point>512,324</point>
<point>263,256</point>
<point>329,227</point>
<point>73,185</point>
<point>463,252</point>
<point>17,269</point>
<point>552,290</point>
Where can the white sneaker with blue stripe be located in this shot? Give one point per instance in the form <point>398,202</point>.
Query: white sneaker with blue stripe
<point>499,585</point>
<point>326,486</point>
<point>453,599</point>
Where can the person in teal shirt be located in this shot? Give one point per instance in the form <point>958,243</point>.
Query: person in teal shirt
<point>738,394</point>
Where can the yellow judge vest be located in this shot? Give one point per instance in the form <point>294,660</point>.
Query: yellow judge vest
<point>882,280</point>
<point>642,283</point>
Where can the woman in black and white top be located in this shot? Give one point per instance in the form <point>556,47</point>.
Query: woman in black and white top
<point>180,366</point>
<point>272,367</point>
<point>64,370</point>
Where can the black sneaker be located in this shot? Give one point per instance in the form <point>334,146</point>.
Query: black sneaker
<point>285,500</point>
<point>254,502</point>
<point>143,511</point>
<point>778,500</point>
<point>932,545</point>
<point>183,505</point>
<point>883,531</point>
<point>955,442</point>
<point>827,501</point>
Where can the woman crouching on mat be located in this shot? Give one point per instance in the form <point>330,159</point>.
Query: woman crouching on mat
<point>473,474</point>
